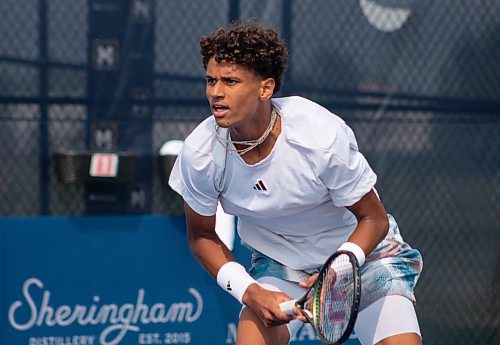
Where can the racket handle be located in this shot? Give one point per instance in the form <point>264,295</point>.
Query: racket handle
<point>287,306</point>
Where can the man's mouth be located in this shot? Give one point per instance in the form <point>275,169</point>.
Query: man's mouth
<point>219,109</point>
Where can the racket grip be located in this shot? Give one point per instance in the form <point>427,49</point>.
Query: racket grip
<point>287,306</point>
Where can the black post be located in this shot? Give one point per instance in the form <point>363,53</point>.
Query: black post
<point>234,10</point>
<point>43,93</point>
<point>120,89</point>
<point>287,36</point>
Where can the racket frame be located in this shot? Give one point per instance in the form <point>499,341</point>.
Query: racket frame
<point>314,293</point>
<point>356,298</point>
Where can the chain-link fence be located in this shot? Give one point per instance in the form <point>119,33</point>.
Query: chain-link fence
<point>419,82</point>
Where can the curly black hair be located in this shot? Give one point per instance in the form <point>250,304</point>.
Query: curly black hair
<point>248,44</point>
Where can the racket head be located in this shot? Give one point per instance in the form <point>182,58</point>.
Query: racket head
<point>336,298</point>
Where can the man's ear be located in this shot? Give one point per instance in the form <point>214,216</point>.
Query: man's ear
<point>267,88</point>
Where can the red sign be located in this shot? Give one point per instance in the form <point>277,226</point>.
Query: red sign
<point>104,165</point>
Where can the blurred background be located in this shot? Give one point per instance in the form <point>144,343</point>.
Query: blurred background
<point>418,81</point>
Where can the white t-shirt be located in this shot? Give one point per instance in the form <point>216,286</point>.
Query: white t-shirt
<point>291,205</point>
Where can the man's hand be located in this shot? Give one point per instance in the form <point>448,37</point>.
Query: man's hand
<point>306,284</point>
<point>265,304</point>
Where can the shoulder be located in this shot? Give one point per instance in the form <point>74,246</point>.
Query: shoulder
<point>201,150</point>
<point>202,138</point>
<point>308,124</point>
<point>196,172</point>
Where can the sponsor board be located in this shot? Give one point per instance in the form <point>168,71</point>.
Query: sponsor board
<point>110,280</point>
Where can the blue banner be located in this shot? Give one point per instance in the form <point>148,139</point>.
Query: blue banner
<point>111,280</point>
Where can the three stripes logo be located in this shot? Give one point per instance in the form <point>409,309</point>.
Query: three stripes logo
<point>259,186</point>
<point>228,286</point>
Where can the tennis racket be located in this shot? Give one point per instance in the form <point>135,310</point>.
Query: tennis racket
<point>332,303</point>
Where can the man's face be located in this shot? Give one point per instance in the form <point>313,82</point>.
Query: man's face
<point>233,91</point>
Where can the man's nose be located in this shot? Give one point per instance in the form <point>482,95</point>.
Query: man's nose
<point>216,90</point>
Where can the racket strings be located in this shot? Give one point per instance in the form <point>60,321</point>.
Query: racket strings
<point>335,298</point>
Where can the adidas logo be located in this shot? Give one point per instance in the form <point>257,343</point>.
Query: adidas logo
<point>260,186</point>
<point>228,286</point>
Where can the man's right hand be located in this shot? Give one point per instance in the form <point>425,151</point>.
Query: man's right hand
<point>265,304</point>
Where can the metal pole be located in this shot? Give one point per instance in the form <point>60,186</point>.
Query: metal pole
<point>43,123</point>
<point>234,10</point>
<point>287,36</point>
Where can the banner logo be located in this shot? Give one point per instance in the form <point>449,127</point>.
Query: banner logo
<point>117,319</point>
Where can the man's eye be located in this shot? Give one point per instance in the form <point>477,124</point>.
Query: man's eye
<point>211,81</point>
<point>230,81</point>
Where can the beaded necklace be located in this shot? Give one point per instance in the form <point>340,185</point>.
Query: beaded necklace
<point>250,143</point>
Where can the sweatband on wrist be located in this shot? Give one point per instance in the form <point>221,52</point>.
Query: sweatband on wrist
<point>233,278</point>
<point>356,250</point>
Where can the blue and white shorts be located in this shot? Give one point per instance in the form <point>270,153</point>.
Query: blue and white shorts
<point>392,269</point>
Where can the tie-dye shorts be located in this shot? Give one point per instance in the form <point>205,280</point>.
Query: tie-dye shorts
<point>393,268</point>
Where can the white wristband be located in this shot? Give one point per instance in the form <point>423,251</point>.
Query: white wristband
<point>233,278</point>
<point>356,250</point>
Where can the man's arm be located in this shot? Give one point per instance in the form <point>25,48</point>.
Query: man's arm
<point>204,242</point>
<point>373,223</point>
<point>215,257</point>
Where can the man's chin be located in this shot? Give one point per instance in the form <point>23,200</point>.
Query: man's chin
<point>221,123</point>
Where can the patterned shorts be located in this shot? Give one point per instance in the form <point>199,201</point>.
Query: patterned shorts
<point>393,268</point>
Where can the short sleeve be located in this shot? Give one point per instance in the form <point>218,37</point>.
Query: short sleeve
<point>347,173</point>
<point>193,176</point>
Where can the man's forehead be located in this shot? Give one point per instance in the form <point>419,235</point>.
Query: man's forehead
<point>224,64</point>
<point>227,67</point>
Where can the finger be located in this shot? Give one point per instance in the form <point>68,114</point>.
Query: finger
<point>309,281</point>
<point>290,317</point>
<point>274,322</point>
<point>303,319</point>
<point>285,316</point>
<point>300,315</point>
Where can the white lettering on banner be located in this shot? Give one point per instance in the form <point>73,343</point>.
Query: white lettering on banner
<point>231,333</point>
<point>306,333</point>
<point>66,340</point>
<point>165,338</point>
<point>120,318</point>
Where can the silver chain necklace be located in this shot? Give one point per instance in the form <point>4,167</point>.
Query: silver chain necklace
<point>250,143</point>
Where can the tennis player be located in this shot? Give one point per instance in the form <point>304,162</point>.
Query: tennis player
<point>291,171</point>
